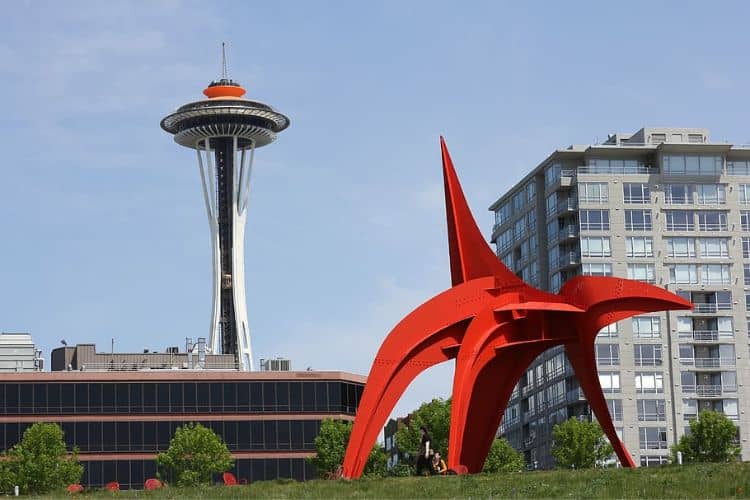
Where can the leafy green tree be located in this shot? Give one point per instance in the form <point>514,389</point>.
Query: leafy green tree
<point>436,417</point>
<point>711,439</point>
<point>579,444</point>
<point>40,462</point>
<point>194,454</point>
<point>330,447</point>
<point>503,458</point>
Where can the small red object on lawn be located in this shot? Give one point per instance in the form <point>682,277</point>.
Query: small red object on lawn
<point>229,479</point>
<point>112,486</point>
<point>152,484</point>
<point>75,488</point>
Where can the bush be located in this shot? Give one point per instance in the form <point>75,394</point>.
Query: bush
<point>40,462</point>
<point>579,444</point>
<point>195,453</point>
<point>711,439</point>
<point>330,447</point>
<point>503,458</point>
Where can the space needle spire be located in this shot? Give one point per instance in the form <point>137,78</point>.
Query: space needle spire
<point>225,130</point>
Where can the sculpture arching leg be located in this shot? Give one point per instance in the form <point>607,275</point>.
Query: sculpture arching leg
<point>583,359</point>
<point>386,383</point>
<point>485,407</point>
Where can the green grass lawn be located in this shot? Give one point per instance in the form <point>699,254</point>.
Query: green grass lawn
<point>696,481</point>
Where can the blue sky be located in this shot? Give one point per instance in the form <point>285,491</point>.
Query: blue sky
<point>103,231</point>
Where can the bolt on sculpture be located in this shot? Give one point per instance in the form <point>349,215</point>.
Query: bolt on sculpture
<point>493,324</point>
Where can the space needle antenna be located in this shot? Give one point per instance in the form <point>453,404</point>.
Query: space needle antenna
<point>223,61</point>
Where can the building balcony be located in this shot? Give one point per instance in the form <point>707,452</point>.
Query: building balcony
<point>705,336</point>
<point>708,363</point>
<point>622,170</point>
<point>575,395</point>
<point>709,390</point>
<point>711,308</point>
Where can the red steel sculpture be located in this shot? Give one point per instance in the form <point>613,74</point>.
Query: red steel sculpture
<point>493,324</point>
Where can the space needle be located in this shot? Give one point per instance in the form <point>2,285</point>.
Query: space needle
<point>225,130</point>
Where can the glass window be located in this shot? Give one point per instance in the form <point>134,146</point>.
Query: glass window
<point>615,409</point>
<point>711,194</point>
<point>713,247</point>
<point>649,382</point>
<point>607,354</point>
<point>745,219</point>
<point>594,220</point>
<point>638,220</point>
<point>642,272</point>
<point>716,274</point>
<point>636,193</point>
<point>595,246</point>
<point>647,354</point>
<point>679,220</point>
<point>680,247</point>
<point>683,273</point>
<point>552,174</point>
<point>692,165</point>
<point>712,221</point>
<point>609,331</point>
<point>530,191</point>
<point>639,246</point>
<point>502,214</point>
<point>678,194</point>
<point>735,167</point>
<point>745,247</point>
<point>651,410</point>
<point>646,327</point>
<point>593,192</point>
<point>652,438</point>
<point>610,381</point>
<point>597,269</point>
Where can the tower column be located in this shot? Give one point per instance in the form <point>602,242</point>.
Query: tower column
<point>225,130</point>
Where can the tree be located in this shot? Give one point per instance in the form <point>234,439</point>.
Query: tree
<point>579,444</point>
<point>330,447</point>
<point>711,439</point>
<point>194,454</point>
<point>436,417</point>
<point>40,462</point>
<point>503,458</point>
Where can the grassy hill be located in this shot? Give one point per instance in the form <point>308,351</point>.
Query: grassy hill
<point>696,481</point>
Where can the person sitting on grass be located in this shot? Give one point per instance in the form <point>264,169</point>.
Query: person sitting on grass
<point>438,465</point>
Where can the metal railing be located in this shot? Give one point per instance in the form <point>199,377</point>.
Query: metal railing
<point>709,390</point>
<point>712,307</point>
<point>680,226</point>
<point>638,226</point>
<point>700,335</point>
<point>154,365</point>
<point>713,226</point>
<point>638,199</point>
<point>595,226</point>
<point>632,169</point>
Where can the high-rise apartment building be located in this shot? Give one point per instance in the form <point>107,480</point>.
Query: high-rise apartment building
<point>665,206</point>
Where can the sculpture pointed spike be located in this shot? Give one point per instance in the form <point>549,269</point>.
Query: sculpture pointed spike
<point>470,255</point>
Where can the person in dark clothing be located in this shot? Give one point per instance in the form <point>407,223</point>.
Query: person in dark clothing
<point>423,459</point>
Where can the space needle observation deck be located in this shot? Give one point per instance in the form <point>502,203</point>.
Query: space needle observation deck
<point>225,130</point>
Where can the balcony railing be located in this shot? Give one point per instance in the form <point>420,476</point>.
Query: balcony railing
<point>701,336</point>
<point>709,362</point>
<point>680,226</point>
<point>712,307</point>
<point>631,169</point>
<point>706,390</point>
<point>713,227</point>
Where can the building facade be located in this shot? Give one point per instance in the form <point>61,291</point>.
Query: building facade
<point>120,421</point>
<point>666,206</point>
<point>19,354</point>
